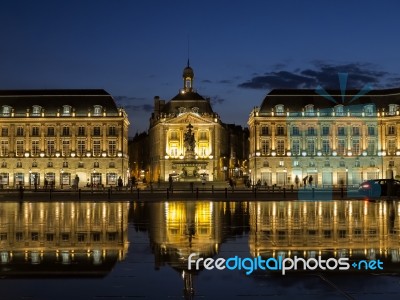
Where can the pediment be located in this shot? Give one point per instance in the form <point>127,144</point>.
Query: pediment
<point>190,118</point>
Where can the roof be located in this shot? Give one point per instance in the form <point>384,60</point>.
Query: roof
<point>188,100</point>
<point>297,99</point>
<point>53,100</point>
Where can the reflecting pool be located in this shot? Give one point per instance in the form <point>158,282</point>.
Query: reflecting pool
<point>119,250</point>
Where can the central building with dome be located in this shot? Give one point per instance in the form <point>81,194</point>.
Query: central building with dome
<point>189,142</point>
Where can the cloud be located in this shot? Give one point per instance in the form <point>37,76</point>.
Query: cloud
<point>216,100</point>
<point>324,74</point>
<point>206,81</point>
<point>225,81</point>
<point>143,107</point>
<point>127,103</point>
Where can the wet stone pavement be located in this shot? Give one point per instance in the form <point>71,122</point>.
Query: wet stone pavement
<point>130,250</point>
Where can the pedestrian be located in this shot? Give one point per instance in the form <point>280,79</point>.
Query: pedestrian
<point>305,181</point>
<point>76,181</point>
<point>296,181</point>
<point>120,183</point>
<point>46,183</point>
<point>170,181</point>
<point>310,180</point>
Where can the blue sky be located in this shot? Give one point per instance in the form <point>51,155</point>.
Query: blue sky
<point>239,50</point>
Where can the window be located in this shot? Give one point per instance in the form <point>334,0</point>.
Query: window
<point>96,164</point>
<point>311,147</point>
<point>36,110</point>
<point>97,110</point>
<point>112,131</point>
<point>173,150</point>
<point>265,147</point>
<point>65,131</point>
<point>112,148</point>
<point>4,131</point>
<point>372,163</point>
<point>339,110</point>
<point>264,130</point>
<point>174,135</point>
<point>81,148</point>
<point>49,237</point>
<point>20,148</point>
<point>65,164</point>
<point>81,131</point>
<point>50,164</point>
<point>356,131</point>
<point>327,163</point>
<point>371,147</point>
<point>3,164</point>
<point>391,129</point>
<point>35,148</point>
<point>296,163</point>
<point>96,131</point>
<point>202,135</point>
<point>66,110</point>
<point>6,111</point>
<point>392,147</point>
<point>341,147</point>
<point>111,165</point>
<point>325,130</point>
<point>66,149</point>
<point>326,148</point>
<point>50,148</point>
<point>19,236</point>
<point>34,164</point>
<point>280,110</point>
<point>369,110</point>
<point>280,130</point>
<point>35,131</point>
<point>392,109</point>
<point>50,131</point>
<point>295,131</point>
<point>341,163</point>
<point>371,130</point>
<point>311,130</point>
<point>341,130</point>
<point>280,147</point>
<point>357,163</point>
<point>35,236</point>
<point>4,148</point>
<point>19,164</point>
<point>96,148</point>
<point>81,165</point>
<point>20,131</point>
<point>355,148</point>
<point>295,147</point>
<point>391,163</point>
<point>309,110</point>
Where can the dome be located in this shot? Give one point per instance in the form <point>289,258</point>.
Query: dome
<point>188,72</point>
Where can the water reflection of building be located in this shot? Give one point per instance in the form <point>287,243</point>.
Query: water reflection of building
<point>350,228</point>
<point>61,239</point>
<point>179,228</point>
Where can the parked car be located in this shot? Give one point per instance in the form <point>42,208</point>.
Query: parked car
<point>379,187</point>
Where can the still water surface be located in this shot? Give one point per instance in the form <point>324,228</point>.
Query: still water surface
<point>124,250</point>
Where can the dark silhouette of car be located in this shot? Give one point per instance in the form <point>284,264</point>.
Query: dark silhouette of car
<point>380,187</point>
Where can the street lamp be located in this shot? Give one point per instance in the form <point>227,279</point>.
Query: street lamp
<point>30,179</point>
<point>255,166</point>
<point>62,178</point>
<point>347,178</point>
<point>284,178</point>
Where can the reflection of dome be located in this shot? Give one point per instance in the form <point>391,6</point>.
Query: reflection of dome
<point>188,72</point>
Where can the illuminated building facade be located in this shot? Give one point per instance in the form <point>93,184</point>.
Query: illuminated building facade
<point>53,135</point>
<point>337,139</point>
<point>210,157</point>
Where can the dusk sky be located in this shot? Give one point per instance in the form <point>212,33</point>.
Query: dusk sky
<point>239,50</point>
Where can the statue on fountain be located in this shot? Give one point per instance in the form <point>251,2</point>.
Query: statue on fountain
<point>189,140</point>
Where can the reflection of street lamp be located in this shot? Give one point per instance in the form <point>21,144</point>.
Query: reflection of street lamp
<point>62,177</point>
<point>347,178</point>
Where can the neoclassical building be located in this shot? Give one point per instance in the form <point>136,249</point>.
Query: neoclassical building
<point>335,138</point>
<point>58,134</point>
<point>188,141</point>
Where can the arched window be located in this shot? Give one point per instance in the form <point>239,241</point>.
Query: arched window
<point>339,110</point>
<point>36,110</point>
<point>280,109</point>
<point>309,110</point>
<point>369,110</point>
<point>392,109</point>
<point>66,110</point>
<point>6,110</point>
<point>97,110</point>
